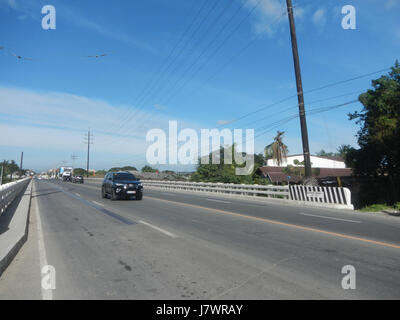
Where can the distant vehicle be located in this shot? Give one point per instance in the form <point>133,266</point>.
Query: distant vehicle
<point>121,185</point>
<point>65,173</point>
<point>77,179</point>
<point>67,176</point>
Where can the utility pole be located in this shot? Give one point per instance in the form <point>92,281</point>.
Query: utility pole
<point>89,141</point>
<point>20,167</point>
<point>303,123</point>
<point>73,157</point>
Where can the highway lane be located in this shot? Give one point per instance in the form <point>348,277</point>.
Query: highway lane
<point>347,222</point>
<point>185,248</point>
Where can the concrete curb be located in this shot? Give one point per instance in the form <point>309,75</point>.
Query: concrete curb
<point>12,240</point>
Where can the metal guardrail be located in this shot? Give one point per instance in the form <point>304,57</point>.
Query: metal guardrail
<point>226,188</point>
<point>326,196</point>
<point>9,191</point>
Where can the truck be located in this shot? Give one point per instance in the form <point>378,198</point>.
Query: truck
<point>65,173</point>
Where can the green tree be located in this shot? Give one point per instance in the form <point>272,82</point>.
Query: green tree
<point>323,153</point>
<point>126,168</point>
<point>79,172</point>
<point>148,169</point>
<point>379,134</point>
<point>10,167</point>
<point>277,150</point>
<point>298,169</point>
<point>343,150</point>
<point>101,172</point>
<point>258,160</point>
<point>222,171</point>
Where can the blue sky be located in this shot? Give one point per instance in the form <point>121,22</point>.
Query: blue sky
<point>235,59</point>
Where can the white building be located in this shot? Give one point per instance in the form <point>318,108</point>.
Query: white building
<point>331,162</point>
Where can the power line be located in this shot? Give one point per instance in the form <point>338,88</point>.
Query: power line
<point>293,96</point>
<point>309,91</point>
<point>205,34</point>
<point>217,49</point>
<point>295,106</point>
<point>223,42</point>
<point>160,86</point>
<point>294,116</point>
<point>202,37</point>
<point>171,53</point>
<point>156,84</point>
<point>127,116</point>
<point>214,39</point>
<point>233,57</point>
<point>159,82</point>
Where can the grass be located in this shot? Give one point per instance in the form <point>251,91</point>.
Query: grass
<point>380,207</point>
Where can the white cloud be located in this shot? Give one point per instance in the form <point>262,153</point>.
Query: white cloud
<point>268,12</point>
<point>58,121</point>
<point>389,4</point>
<point>223,122</point>
<point>31,9</point>
<point>86,23</point>
<point>23,8</point>
<point>160,107</point>
<point>319,17</point>
<point>12,4</point>
<point>271,14</point>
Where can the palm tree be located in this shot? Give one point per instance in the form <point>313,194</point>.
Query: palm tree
<point>277,150</point>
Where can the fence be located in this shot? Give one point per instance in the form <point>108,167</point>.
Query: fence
<point>9,191</point>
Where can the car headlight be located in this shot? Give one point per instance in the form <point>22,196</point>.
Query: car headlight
<point>119,184</point>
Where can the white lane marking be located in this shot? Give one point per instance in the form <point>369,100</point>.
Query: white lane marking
<point>77,194</point>
<point>158,229</point>
<point>313,215</point>
<point>98,203</point>
<point>215,200</point>
<point>47,294</point>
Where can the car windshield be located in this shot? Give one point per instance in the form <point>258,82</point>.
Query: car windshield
<point>124,176</point>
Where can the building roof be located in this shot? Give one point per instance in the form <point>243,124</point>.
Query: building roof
<point>276,174</point>
<point>335,158</point>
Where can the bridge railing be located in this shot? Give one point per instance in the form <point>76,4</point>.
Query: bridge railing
<point>225,188</point>
<point>9,191</point>
<point>332,197</point>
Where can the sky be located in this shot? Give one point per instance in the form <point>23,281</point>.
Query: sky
<point>203,63</point>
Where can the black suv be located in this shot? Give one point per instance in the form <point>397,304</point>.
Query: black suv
<point>121,185</point>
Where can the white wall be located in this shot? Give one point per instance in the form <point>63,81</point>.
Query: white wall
<point>316,162</point>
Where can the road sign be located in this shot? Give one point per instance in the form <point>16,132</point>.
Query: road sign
<point>315,194</point>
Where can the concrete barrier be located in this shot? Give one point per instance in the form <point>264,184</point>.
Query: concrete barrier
<point>9,191</point>
<point>14,221</point>
<point>329,196</point>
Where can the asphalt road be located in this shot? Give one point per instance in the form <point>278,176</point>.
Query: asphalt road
<point>173,245</point>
